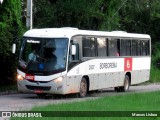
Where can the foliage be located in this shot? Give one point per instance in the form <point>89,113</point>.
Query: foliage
<point>155,66</point>
<point>154,75</point>
<point>80,13</point>
<point>141,16</point>
<point>10,30</point>
<point>155,53</point>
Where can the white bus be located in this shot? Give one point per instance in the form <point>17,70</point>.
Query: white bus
<point>69,60</point>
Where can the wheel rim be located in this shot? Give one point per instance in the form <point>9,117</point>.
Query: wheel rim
<point>83,88</point>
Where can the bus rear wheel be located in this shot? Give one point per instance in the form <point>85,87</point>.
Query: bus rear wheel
<point>125,88</point>
<point>126,85</point>
<point>83,88</point>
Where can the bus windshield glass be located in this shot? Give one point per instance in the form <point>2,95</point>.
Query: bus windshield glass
<point>43,55</point>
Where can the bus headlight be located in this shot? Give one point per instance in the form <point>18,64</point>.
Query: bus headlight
<point>59,79</point>
<point>20,77</point>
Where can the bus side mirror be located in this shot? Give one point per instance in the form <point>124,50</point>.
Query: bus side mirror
<point>14,48</point>
<point>73,49</point>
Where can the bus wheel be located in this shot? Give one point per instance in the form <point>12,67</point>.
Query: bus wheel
<point>126,84</point>
<point>83,88</point>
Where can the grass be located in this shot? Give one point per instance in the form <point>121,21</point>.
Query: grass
<point>129,102</point>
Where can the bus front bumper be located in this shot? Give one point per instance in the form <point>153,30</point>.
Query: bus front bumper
<point>49,87</point>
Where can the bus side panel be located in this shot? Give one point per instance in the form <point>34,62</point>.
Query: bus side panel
<point>94,82</point>
<point>121,80</point>
<point>134,77</point>
<point>73,84</point>
<point>110,72</point>
<point>141,69</point>
<point>101,82</point>
<point>102,73</point>
<point>143,76</point>
<point>104,80</point>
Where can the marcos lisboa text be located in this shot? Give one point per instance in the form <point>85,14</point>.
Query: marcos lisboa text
<point>147,114</point>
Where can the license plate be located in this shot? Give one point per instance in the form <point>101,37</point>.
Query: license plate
<point>38,91</point>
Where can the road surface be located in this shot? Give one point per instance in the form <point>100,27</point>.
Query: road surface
<point>23,102</point>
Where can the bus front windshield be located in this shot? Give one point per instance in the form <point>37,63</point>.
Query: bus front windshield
<point>43,55</point>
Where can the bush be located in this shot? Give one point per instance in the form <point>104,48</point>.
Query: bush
<point>10,30</point>
<point>156,55</point>
<point>155,63</point>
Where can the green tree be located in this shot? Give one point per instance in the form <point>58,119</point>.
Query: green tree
<point>141,16</point>
<point>83,14</point>
<point>10,30</point>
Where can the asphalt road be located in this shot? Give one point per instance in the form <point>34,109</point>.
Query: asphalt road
<point>23,102</point>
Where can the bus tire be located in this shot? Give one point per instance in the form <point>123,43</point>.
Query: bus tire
<point>125,88</point>
<point>83,88</point>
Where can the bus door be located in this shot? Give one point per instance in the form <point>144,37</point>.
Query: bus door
<point>73,75</point>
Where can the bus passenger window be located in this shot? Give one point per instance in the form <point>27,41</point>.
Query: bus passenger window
<point>89,47</point>
<point>134,47</point>
<point>138,48</point>
<point>145,47</point>
<point>102,47</point>
<point>125,47</point>
<point>113,47</point>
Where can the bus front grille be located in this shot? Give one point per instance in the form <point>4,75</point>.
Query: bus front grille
<point>38,81</point>
<point>38,88</point>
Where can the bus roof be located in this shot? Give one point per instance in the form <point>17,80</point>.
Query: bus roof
<point>69,32</point>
